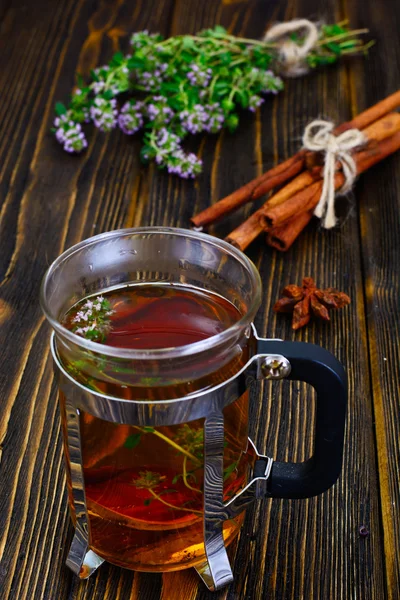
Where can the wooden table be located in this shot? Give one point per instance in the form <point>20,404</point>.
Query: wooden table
<point>287,549</point>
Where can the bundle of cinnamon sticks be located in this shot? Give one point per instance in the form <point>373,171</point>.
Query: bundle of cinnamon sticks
<point>287,212</point>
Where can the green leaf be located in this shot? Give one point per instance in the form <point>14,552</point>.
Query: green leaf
<point>333,47</point>
<point>176,479</point>
<point>166,52</point>
<point>229,470</point>
<point>243,98</point>
<point>222,87</point>
<point>132,441</point>
<point>107,95</point>
<point>223,72</point>
<point>117,59</point>
<point>79,80</point>
<point>188,43</point>
<point>175,104</point>
<point>219,29</point>
<point>170,86</point>
<point>136,63</point>
<point>186,56</point>
<point>331,30</point>
<point>225,58</point>
<point>148,429</point>
<point>79,116</point>
<point>60,109</point>
<point>348,44</point>
<point>147,502</point>
<point>263,61</point>
<point>312,61</point>
<point>232,122</point>
<point>325,60</point>
<point>94,75</point>
<point>227,105</point>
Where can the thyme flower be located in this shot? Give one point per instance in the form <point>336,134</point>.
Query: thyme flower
<point>148,480</point>
<point>185,85</point>
<point>92,320</point>
<point>104,113</point>
<point>131,117</point>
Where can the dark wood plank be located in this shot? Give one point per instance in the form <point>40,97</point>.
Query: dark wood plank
<point>379,208</point>
<point>47,204</point>
<point>287,549</point>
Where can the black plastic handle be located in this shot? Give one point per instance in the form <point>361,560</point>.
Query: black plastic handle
<point>323,371</point>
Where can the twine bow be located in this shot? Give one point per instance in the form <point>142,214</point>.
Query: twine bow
<point>291,55</point>
<point>318,137</point>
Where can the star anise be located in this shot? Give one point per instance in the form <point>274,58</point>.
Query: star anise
<point>307,300</point>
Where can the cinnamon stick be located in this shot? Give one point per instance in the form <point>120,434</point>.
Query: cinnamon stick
<point>282,237</point>
<point>270,180</point>
<point>247,232</point>
<point>288,169</point>
<point>372,114</point>
<point>308,198</point>
<point>305,200</point>
<point>243,235</point>
<point>381,129</point>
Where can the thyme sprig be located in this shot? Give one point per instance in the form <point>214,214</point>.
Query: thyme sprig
<point>92,320</point>
<point>187,441</point>
<point>183,85</point>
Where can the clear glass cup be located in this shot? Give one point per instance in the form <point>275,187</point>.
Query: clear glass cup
<point>167,539</point>
<point>138,424</point>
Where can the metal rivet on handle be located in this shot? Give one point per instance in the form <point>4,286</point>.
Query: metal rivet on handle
<point>275,367</point>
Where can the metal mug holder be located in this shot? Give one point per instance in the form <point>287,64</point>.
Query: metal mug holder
<point>274,359</point>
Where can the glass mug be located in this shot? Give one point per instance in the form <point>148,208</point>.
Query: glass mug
<point>159,465</point>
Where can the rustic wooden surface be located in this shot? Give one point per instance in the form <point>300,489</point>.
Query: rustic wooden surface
<point>287,549</point>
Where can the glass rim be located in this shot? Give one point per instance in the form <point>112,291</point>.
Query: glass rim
<point>153,353</point>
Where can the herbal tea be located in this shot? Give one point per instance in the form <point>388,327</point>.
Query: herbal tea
<point>143,484</point>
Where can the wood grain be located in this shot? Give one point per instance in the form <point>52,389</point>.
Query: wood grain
<point>379,205</point>
<point>287,549</point>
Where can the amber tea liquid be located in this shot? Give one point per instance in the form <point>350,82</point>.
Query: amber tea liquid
<point>143,484</point>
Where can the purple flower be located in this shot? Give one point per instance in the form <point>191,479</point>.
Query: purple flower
<point>150,81</point>
<point>254,102</point>
<point>198,77</point>
<point>105,80</point>
<point>159,112</point>
<point>271,83</point>
<point>70,134</point>
<point>215,117</point>
<point>130,119</point>
<point>209,117</point>
<point>140,39</point>
<point>165,144</point>
<point>184,165</point>
<point>104,113</point>
<point>195,119</point>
